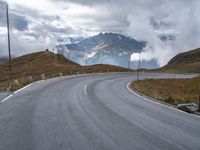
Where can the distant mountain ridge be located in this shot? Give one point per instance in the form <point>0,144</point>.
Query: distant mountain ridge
<point>108,42</point>
<point>106,48</point>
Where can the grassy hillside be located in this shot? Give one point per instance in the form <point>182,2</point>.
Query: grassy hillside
<point>173,91</point>
<point>48,63</point>
<point>187,62</point>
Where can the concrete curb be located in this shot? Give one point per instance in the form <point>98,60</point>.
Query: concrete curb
<point>148,97</point>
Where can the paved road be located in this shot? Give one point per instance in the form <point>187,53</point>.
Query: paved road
<point>4,95</point>
<point>93,112</point>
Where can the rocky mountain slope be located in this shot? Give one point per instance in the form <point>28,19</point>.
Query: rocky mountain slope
<point>105,48</point>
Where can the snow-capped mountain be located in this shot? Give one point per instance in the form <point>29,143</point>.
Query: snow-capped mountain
<point>104,48</point>
<point>108,43</point>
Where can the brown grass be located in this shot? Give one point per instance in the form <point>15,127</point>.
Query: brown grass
<point>48,63</point>
<point>173,91</point>
<point>186,62</point>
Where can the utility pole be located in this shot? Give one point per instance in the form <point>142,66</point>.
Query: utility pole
<point>9,49</point>
<point>86,62</point>
<point>128,65</point>
<point>138,67</point>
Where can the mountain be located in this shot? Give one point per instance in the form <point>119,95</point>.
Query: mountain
<point>47,63</point>
<point>69,40</point>
<point>109,43</point>
<point>188,62</point>
<point>105,48</point>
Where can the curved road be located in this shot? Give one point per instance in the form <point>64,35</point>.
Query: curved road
<point>93,112</point>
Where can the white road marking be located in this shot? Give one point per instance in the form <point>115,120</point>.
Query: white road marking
<point>85,89</point>
<point>23,88</point>
<point>5,99</point>
<point>157,101</point>
<point>8,97</point>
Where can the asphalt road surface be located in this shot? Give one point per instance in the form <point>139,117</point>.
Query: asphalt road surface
<point>93,112</point>
<point>4,95</point>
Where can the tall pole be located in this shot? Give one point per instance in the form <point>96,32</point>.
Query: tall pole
<point>128,65</point>
<point>9,49</point>
<point>138,67</point>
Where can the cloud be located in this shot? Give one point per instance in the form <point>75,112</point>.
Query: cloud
<point>18,22</point>
<point>169,27</point>
<point>135,57</point>
<point>90,55</point>
<point>177,19</point>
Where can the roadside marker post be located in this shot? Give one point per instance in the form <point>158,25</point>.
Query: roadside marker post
<point>30,78</point>
<point>60,74</point>
<point>43,77</point>
<point>16,82</point>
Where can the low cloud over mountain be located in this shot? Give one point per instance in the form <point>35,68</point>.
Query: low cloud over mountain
<point>169,27</point>
<point>106,48</point>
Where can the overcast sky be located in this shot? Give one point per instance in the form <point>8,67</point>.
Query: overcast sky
<point>169,26</point>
